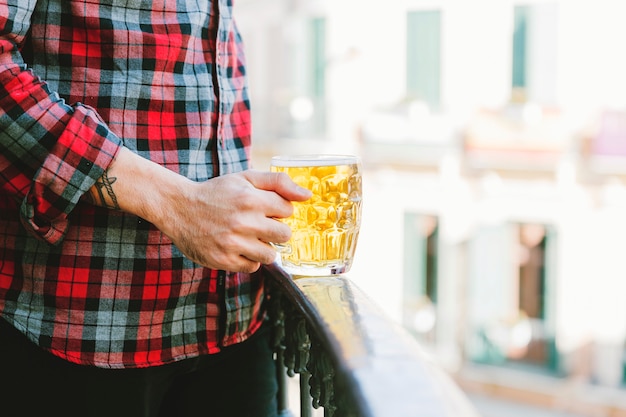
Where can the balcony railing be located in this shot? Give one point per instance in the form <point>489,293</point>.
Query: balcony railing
<point>352,360</point>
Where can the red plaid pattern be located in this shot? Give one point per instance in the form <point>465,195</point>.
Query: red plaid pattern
<point>78,80</point>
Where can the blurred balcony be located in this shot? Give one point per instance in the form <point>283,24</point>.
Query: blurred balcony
<point>602,146</point>
<point>523,140</point>
<point>518,138</point>
<point>408,135</point>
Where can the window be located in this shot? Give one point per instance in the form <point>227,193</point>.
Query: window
<point>510,295</point>
<point>534,53</point>
<point>520,46</point>
<point>532,250</point>
<point>421,250</point>
<point>424,56</point>
<point>318,57</point>
<point>307,108</point>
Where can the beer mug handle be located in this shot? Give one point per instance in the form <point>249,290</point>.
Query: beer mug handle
<point>281,247</point>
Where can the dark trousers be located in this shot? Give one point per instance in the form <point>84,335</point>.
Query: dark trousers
<point>240,381</point>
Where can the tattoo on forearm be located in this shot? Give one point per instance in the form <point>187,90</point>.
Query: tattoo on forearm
<point>104,187</point>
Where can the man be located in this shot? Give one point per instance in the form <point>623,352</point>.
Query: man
<point>130,225</point>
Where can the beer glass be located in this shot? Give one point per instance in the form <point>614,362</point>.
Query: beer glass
<point>324,228</point>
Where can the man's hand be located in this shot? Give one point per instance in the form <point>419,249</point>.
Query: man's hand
<point>223,223</point>
<point>227,222</point>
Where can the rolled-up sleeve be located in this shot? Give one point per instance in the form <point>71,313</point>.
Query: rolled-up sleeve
<point>52,152</point>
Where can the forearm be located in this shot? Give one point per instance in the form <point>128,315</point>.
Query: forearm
<point>138,186</point>
<point>223,223</point>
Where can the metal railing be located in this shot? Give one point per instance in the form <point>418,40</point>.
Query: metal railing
<point>352,360</point>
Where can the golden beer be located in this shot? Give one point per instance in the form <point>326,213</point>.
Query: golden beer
<point>324,228</point>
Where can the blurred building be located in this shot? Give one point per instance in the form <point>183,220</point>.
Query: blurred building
<point>493,133</point>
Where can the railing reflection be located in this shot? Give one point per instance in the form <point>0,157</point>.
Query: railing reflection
<point>352,360</point>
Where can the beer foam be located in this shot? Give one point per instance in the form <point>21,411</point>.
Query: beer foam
<point>313,160</point>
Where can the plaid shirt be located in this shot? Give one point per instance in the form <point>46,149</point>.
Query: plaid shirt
<point>78,80</point>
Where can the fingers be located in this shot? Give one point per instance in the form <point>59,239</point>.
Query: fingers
<point>261,254</point>
<point>274,206</point>
<point>253,255</point>
<point>280,183</point>
<point>246,247</point>
<point>272,193</point>
<point>274,231</point>
<point>241,264</point>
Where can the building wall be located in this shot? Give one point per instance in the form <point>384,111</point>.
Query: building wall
<point>575,67</point>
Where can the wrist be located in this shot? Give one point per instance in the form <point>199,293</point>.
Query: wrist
<point>138,186</point>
